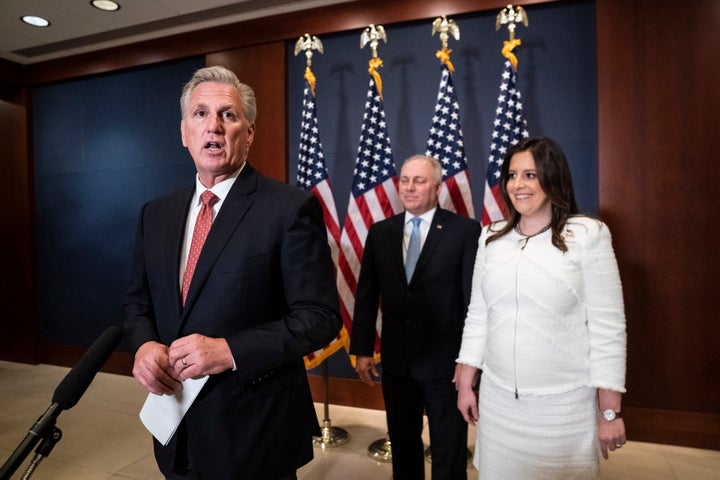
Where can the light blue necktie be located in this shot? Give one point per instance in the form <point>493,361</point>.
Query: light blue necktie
<point>413,251</point>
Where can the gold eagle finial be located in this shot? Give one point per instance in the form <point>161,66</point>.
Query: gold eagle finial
<point>511,16</point>
<point>445,27</point>
<point>372,35</point>
<point>308,43</point>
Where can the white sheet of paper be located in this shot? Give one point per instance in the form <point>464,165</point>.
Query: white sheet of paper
<point>161,414</point>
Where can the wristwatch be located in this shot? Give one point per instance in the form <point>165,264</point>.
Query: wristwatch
<point>610,415</point>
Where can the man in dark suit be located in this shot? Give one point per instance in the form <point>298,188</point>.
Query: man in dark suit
<point>423,311</point>
<point>262,295</point>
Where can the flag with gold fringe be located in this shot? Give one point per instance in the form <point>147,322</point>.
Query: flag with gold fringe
<point>373,197</point>
<point>312,175</point>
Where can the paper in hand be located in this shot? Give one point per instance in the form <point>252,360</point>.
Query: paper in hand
<point>162,414</point>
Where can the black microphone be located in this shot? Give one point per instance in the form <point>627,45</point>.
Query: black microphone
<point>66,395</point>
<point>73,386</point>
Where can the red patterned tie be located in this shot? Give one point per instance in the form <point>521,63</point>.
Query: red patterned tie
<point>202,227</point>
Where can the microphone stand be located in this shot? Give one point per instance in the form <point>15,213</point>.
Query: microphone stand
<point>66,395</point>
<point>43,429</point>
<point>42,451</point>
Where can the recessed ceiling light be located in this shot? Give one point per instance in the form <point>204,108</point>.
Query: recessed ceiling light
<point>35,21</point>
<point>105,5</point>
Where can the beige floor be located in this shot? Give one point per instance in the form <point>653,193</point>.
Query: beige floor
<point>103,438</point>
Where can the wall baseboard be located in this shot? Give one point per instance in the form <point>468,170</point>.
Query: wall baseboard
<point>670,427</point>
<point>673,427</point>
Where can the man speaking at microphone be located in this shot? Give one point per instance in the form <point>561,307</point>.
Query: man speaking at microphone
<point>242,305</point>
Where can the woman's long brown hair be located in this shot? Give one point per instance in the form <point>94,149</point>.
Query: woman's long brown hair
<point>555,180</point>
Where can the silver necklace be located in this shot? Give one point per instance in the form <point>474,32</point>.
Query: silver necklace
<point>526,238</point>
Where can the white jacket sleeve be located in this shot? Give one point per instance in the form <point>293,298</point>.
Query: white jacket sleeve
<point>475,329</point>
<point>605,310</point>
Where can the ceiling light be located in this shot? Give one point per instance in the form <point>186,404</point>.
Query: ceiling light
<point>105,5</point>
<point>35,21</point>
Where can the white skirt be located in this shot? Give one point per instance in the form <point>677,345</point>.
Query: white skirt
<point>537,437</point>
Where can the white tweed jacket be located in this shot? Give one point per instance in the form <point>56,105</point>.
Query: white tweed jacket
<point>542,321</point>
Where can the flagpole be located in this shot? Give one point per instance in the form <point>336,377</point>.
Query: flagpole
<point>446,27</point>
<point>379,450</point>
<point>330,436</point>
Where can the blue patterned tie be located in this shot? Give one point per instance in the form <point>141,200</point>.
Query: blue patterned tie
<point>413,251</point>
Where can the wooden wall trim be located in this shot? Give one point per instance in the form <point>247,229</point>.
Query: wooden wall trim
<point>672,427</point>
<point>318,21</point>
<point>347,392</point>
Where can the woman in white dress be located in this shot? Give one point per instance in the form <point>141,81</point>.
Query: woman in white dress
<point>546,327</point>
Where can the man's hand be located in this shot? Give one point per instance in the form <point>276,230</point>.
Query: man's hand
<point>152,369</point>
<point>197,355</point>
<point>364,367</point>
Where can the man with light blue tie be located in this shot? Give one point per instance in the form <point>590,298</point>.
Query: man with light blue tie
<point>417,267</point>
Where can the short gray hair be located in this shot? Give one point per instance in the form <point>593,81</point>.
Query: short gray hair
<point>434,163</point>
<point>220,74</point>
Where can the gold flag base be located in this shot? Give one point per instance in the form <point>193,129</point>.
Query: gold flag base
<point>381,450</point>
<point>331,436</point>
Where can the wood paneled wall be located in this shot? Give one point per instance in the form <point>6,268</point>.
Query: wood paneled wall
<point>18,340</point>
<point>253,66</point>
<point>659,183</point>
<point>659,104</point>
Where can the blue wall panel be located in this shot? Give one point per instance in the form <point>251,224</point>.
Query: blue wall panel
<point>103,146</point>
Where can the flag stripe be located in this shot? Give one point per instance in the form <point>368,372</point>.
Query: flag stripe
<point>451,188</point>
<point>509,127</point>
<point>445,142</point>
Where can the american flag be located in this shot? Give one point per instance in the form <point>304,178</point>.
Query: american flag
<point>312,175</point>
<point>508,128</point>
<point>374,197</point>
<point>446,144</point>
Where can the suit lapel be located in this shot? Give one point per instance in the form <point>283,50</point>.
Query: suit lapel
<point>396,241</point>
<point>233,210</point>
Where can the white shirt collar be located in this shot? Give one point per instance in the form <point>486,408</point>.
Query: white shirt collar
<point>220,189</point>
<point>426,217</point>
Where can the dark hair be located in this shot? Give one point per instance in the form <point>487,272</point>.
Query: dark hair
<point>555,180</point>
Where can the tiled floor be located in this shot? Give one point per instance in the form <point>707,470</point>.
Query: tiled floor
<point>103,438</point>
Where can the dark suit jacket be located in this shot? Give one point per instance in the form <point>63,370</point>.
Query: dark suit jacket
<point>264,281</point>
<point>422,321</point>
